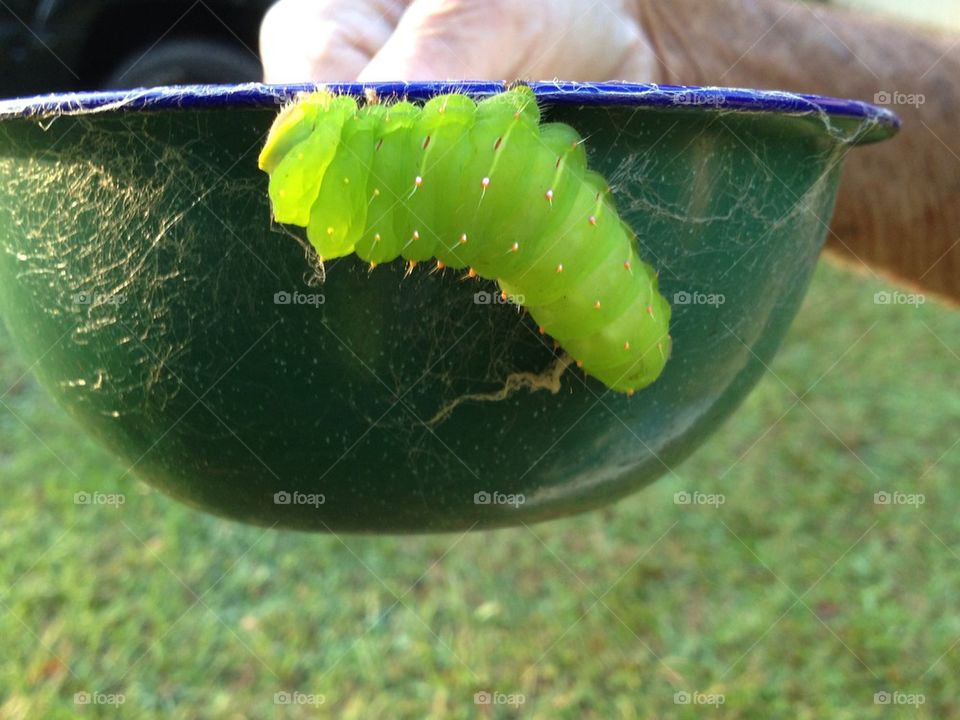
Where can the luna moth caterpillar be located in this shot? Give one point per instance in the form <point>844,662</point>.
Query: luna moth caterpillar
<point>482,186</point>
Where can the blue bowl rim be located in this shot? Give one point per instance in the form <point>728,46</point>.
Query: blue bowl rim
<point>640,95</point>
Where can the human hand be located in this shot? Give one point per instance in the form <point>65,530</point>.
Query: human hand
<point>897,191</point>
<point>370,40</point>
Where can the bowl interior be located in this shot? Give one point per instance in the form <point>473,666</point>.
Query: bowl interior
<point>142,278</point>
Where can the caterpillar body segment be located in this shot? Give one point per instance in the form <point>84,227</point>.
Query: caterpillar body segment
<point>483,187</point>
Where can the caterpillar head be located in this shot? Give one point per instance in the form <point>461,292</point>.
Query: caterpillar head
<point>301,144</point>
<point>292,126</point>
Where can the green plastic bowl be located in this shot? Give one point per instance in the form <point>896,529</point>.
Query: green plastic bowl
<point>146,286</point>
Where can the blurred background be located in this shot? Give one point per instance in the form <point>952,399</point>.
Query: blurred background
<point>945,13</point>
<point>57,45</point>
<point>805,590</point>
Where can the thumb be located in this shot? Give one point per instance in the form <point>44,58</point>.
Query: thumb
<point>438,40</point>
<point>324,40</point>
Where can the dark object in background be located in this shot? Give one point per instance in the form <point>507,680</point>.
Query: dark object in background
<point>58,45</point>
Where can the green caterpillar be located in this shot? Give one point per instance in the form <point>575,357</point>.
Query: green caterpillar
<point>482,186</point>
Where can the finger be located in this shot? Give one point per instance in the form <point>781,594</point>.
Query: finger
<point>510,40</point>
<point>324,40</point>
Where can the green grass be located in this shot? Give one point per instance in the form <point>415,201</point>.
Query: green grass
<point>799,597</point>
